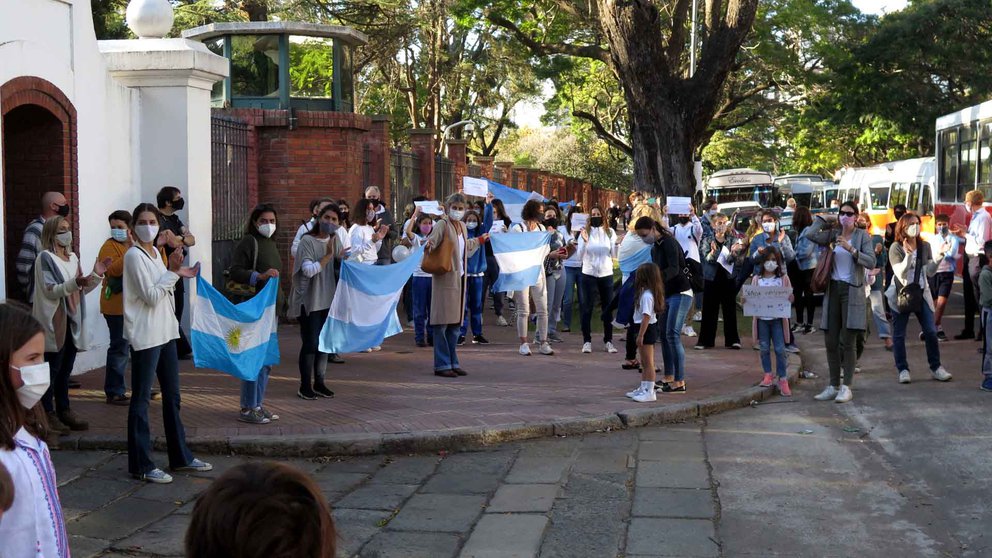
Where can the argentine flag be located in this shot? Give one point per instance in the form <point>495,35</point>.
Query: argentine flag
<point>521,259</point>
<point>363,311</point>
<point>513,199</point>
<point>632,253</point>
<point>237,339</point>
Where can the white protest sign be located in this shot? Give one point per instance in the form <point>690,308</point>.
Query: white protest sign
<point>579,221</point>
<point>679,205</point>
<point>767,302</point>
<point>725,260</point>
<point>475,186</point>
<point>429,207</point>
<point>536,196</point>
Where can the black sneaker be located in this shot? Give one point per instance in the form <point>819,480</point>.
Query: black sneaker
<point>478,339</point>
<point>461,340</point>
<point>421,344</point>
<point>322,391</point>
<point>306,394</point>
<point>941,336</point>
<point>965,335</point>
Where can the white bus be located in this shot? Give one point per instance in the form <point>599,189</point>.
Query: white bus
<point>739,185</point>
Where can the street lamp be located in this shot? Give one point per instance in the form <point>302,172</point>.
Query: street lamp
<point>469,126</point>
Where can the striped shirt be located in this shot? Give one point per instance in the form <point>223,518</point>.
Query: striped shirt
<point>30,246</point>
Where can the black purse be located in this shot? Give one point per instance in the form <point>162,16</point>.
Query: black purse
<point>909,300</point>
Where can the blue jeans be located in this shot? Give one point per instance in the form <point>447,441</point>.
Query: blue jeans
<point>772,335</point>
<point>986,314</point>
<point>117,353</point>
<point>926,319</point>
<point>59,369</point>
<point>161,361</point>
<point>878,314</point>
<point>589,286</point>
<point>253,393</point>
<point>572,275</point>
<point>445,342</point>
<point>421,308</point>
<point>475,295</point>
<point>676,307</point>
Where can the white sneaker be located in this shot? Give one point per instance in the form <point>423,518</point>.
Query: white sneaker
<point>377,348</point>
<point>525,349</point>
<point>688,331</point>
<point>645,396</point>
<point>610,348</point>
<point>636,391</point>
<point>546,349</point>
<point>904,377</point>
<point>844,395</point>
<point>940,374</point>
<point>587,347</point>
<point>830,392</point>
<point>697,317</point>
<point>501,321</point>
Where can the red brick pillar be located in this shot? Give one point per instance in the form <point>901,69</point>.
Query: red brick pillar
<point>485,166</point>
<point>506,173</point>
<point>587,195</point>
<point>457,153</point>
<point>520,181</point>
<point>377,141</point>
<point>422,143</point>
<point>543,183</point>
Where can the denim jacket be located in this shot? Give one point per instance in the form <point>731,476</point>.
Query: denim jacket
<point>711,268</point>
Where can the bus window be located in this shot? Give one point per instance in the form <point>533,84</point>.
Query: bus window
<point>985,154</point>
<point>948,166</point>
<point>898,194</point>
<point>969,160</point>
<point>914,196</point>
<point>829,196</point>
<point>926,203</point>
<point>879,197</point>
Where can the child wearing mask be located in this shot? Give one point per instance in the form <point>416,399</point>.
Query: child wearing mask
<point>771,330</point>
<point>475,276</point>
<point>418,228</point>
<point>944,246</point>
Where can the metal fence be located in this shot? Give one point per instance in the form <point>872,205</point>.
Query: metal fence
<point>404,180</point>
<point>228,187</point>
<point>444,178</point>
<point>474,170</point>
<point>498,176</point>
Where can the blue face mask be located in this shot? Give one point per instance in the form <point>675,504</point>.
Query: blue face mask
<point>120,235</point>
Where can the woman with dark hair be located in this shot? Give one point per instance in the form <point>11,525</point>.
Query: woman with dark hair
<point>553,269</point>
<point>845,303</point>
<point>310,299</point>
<point>343,214</point>
<point>533,215</point>
<point>801,269</point>
<point>501,224</point>
<point>573,271</point>
<point>254,261</point>
<point>366,238</point>
<point>597,249</point>
<point>33,526</point>
<point>150,325</point>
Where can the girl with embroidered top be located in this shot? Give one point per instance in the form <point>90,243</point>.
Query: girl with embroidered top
<point>533,215</point>
<point>771,330</point>
<point>649,292</point>
<point>310,299</point>
<point>597,249</point>
<point>59,305</point>
<point>475,276</point>
<point>417,230</point>
<point>34,525</point>
<point>366,238</point>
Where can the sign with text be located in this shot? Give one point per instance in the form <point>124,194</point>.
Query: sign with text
<point>429,207</point>
<point>579,221</point>
<point>767,302</point>
<point>475,186</point>
<point>678,205</point>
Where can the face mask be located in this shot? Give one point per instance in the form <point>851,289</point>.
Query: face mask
<point>683,220</point>
<point>471,226</point>
<point>426,229</point>
<point>36,379</point>
<point>267,229</point>
<point>942,230</point>
<point>913,231</point>
<point>120,235</point>
<point>768,227</point>
<point>711,213</point>
<point>649,239</point>
<point>720,227</point>
<point>456,214</point>
<point>344,213</point>
<point>327,228</point>
<point>64,239</point>
<point>551,222</point>
<point>847,220</point>
<point>179,204</point>
<point>369,216</point>
<point>146,233</point>
<point>898,215</point>
<point>596,221</point>
<point>771,266</point>
<point>64,210</point>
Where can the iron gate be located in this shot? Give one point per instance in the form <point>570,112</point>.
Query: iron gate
<point>228,188</point>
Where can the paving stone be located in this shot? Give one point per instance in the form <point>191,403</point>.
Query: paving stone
<point>671,433</point>
<point>120,518</point>
<point>554,447</point>
<point>72,464</point>
<point>399,544</point>
<point>523,498</point>
<point>356,527</point>
<point>594,488</point>
<point>165,537</point>
<point>470,473</point>
<point>451,513</point>
<point>87,494</point>
<point>673,502</point>
<point>339,482</point>
<point>672,537</point>
<point>663,450</point>
<point>483,462</point>
<point>675,473</point>
<point>407,470</point>
<point>585,527</point>
<point>85,547</point>
<point>351,465</point>
<point>182,489</point>
<point>377,497</point>
<point>538,470</point>
<point>595,460</point>
<point>506,536</point>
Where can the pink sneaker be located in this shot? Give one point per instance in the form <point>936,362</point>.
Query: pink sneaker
<point>767,381</point>
<point>783,388</point>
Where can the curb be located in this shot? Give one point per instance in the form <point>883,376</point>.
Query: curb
<point>455,439</point>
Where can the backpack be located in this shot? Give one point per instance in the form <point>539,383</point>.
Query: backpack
<point>692,270</point>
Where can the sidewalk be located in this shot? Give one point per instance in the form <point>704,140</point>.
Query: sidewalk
<point>390,401</point>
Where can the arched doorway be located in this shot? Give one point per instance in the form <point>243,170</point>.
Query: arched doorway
<point>39,142</point>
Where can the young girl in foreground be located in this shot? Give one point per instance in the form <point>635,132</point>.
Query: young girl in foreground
<point>33,526</point>
<point>649,292</point>
<point>771,330</point>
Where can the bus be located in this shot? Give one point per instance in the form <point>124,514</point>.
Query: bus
<point>963,159</point>
<point>806,189</point>
<point>878,189</point>
<point>739,185</point>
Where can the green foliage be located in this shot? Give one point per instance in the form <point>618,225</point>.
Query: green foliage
<point>560,150</point>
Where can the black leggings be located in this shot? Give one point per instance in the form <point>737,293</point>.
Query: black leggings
<point>313,363</point>
<point>803,292</point>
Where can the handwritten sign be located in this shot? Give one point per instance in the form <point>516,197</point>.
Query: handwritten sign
<point>475,186</point>
<point>579,221</point>
<point>536,196</point>
<point>679,205</point>
<point>767,302</point>
<point>429,207</point>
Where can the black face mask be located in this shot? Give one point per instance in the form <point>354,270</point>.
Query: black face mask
<point>596,221</point>
<point>64,210</point>
<point>683,220</point>
<point>179,204</point>
<point>552,222</point>
<point>898,215</point>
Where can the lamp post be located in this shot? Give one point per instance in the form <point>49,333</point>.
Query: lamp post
<point>469,126</point>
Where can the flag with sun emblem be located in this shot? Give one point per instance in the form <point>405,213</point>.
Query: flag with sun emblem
<point>238,339</point>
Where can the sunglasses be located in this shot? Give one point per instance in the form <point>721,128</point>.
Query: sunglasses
<point>847,213</point>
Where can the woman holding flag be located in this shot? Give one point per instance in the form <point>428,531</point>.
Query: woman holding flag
<point>533,215</point>
<point>448,289</point>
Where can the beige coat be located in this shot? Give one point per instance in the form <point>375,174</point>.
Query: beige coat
<point>448,289</point>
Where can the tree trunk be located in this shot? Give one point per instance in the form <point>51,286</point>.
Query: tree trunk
<point>662,151</point>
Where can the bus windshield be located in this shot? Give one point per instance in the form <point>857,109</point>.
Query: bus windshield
<point>879,197</point>
<point>761,193</point>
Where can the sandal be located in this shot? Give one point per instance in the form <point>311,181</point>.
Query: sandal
<point>631,365</point>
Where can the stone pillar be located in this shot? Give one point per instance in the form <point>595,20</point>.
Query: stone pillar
<point>422,143</point>
<point>485,166</point>
<point>587,194</point>
<point>543,184</point>
<point>457,152</point>
<point>506,173</point>
<point>380,166</point>
<point>520,181</point>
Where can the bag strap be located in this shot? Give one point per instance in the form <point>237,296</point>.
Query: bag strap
<point>254,261</point>
<point>919,264</point>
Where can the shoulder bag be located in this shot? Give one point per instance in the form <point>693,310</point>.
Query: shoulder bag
<point>909,299</point>
<point>241,290</point>
<point>824,267</point>
<point>438,260</point>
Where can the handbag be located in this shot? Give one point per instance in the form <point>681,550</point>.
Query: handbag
<point>438,260</point>
<point>910,296</point>
<point>821,275</point>
<point>241,290</point>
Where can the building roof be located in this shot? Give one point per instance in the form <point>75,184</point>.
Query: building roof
<point>340,32</point>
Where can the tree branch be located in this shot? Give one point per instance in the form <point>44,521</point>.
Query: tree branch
<point>676,41</point>
<point>538,48</point>
<point>603,133</point>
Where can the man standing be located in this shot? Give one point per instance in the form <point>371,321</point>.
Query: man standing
<point>979,231</point>
<point>173,236</point>
<point>944,247</point>
<point>382,217</point>
<point>52,204</point>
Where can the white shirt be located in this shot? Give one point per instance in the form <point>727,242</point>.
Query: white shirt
<point>149,303</point>
<point>597,253</point>
<point>575,260</point>
<point>646,306</point>
<point>363,249</point>
<point>689,236</point>
<point>304,229</point>
<point>461,252</point>
<point>772,282</point>
<point>979,230</point>
<point>34,525</point>
<point>843,265</point>
<point>418,240</point>
<point>940,244</point>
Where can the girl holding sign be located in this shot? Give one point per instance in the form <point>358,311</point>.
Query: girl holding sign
<point>771,330</point>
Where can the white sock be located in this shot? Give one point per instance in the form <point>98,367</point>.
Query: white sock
<point>646,385</point>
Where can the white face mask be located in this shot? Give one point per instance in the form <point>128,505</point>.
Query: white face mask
<point>267,229</point>
<point>913,231</point>
<point>771,266</point>
<point>36,378</point>
<point>456,214</point>
<point>64,239</point>
<point>768,227</point>
<point>146,233</point>
<point>471,226</point>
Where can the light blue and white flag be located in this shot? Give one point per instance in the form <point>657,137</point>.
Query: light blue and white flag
<point>521,259</point>
<point>513,199</point>
<point>238,339</point>
<point>363,311</point>
<point>632,253</point>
